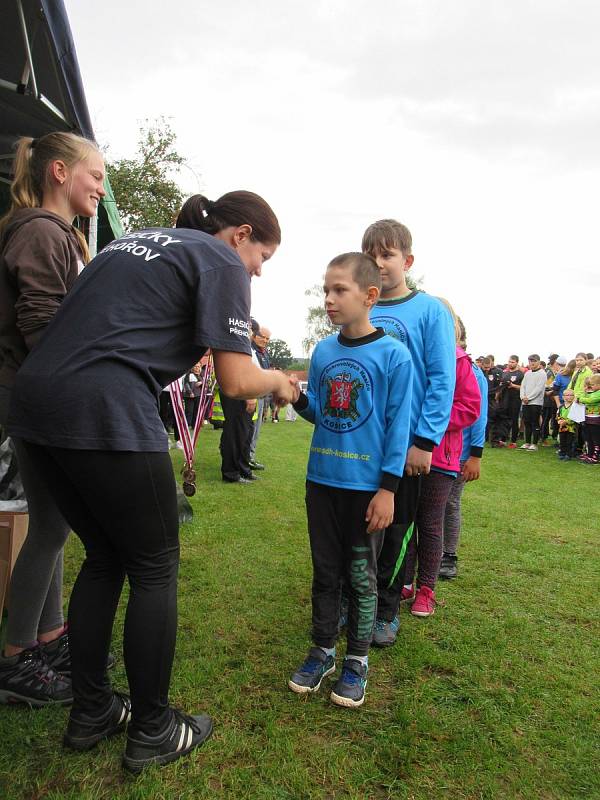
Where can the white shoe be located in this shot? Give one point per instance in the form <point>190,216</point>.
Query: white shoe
<point>179,445</point>
<point>533,447</point>
<point>524,447</point>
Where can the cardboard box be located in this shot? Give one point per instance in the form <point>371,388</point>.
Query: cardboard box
<point>13,530</point>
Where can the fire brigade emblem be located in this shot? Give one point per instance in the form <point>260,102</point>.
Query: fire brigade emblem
<point>346,395</point>
<point>392,326</point>
<point>341,396</point>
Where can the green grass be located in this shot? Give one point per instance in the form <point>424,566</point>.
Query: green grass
<point>496,696</point>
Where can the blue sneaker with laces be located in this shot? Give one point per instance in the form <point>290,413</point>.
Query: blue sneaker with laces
<point>384,634</point>
<point>309,675</point>
<point>349,689</point>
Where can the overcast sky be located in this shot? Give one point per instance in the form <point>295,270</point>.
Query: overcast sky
<point>476,124</point>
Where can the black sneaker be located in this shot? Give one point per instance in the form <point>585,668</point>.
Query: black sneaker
<point>448,567</point>
<point>309,675</point>
<point>349,689</point>
<point>256,466</point>
<point>58,657</point>
<point>84,732</point>
<point>27,678</point>
<point>184,733</point>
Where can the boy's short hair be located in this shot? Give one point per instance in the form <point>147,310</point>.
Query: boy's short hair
<point>533,357</point>
<point>486,361</point>
<point>514,358</point>
<point>365,271</point>
<point>386,234</point>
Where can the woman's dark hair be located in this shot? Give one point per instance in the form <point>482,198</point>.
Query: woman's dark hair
<point>233,209</point>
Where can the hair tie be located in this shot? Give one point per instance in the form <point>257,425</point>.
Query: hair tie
<point>208,208</point>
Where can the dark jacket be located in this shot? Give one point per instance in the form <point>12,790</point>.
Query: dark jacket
<point>39,262</point>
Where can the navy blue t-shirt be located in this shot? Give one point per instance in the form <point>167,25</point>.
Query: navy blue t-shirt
<point>139,316</point>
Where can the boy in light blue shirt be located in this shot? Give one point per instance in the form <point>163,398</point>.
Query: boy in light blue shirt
<point>425,326</point>
<point>359,400</point>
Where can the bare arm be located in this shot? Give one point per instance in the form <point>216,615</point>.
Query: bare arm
<point>241,379</point>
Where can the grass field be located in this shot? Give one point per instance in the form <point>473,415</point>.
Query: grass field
<point>496,696</point>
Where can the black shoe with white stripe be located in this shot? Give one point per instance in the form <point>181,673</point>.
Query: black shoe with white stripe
<point>84,732</point>
<point>183,734</point>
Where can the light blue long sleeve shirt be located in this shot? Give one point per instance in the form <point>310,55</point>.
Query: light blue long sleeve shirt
<point>425,326</point>
<point>359,400</point>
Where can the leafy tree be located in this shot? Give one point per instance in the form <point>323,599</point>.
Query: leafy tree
<point>280,354</point>
<point>318,324</point>
<point>146,194</point>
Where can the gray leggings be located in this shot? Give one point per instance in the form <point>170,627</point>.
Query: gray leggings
<point>452,516</point>
<point>35,600</point>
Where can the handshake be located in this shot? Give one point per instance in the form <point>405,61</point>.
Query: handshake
<point>288,391</point>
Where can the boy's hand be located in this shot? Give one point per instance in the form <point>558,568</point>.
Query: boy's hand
<point>380,512</point>
<point>418,462</point>
<point>471,469</point>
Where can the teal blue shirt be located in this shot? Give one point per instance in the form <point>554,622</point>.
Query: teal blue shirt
<point>359,400</point>
<point>425,326</point>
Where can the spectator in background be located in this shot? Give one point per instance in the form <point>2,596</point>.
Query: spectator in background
<point>496,427</point>
<point>549,422</point>
<point>511,381</point>
<point>191,393</point>
<point>591,428</point>
<point>533,387</point>
<point>579,375</point>
<point>562,379</point>
<point>260,341</point>
<point>566,427</point>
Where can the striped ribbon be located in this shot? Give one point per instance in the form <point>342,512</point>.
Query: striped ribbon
<point>188,440</point>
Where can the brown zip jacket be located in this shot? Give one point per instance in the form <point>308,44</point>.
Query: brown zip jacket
<point>40,260</point>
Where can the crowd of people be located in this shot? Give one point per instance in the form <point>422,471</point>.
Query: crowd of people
<point>546,402</point>
<point>400,414</point>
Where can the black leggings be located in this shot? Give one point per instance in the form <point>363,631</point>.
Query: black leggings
<point>123,507</point>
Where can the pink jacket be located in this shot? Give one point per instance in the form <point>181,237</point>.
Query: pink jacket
<point>466,407</point>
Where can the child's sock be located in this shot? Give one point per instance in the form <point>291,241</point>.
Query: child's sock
<point>364,660</point>
<point>329,651</point>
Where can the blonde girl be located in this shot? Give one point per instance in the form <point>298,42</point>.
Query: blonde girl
<point>57,177</point>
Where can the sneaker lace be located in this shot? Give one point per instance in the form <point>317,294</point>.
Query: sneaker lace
<point>184,719</point>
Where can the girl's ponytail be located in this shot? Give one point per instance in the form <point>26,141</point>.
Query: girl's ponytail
<point>22,190</point>
<point>232,209</point>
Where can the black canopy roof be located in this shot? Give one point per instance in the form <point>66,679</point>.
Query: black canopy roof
<point>41,88</point>
<point>40,83</point>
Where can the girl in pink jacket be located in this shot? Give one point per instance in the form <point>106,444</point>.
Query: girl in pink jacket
<point>435,487</point>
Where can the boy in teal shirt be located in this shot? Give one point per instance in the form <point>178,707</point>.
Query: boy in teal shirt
<point>359,400</point>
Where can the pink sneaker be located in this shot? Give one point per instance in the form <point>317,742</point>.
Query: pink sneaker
<point>424,605</point>
<point>407,594</point>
